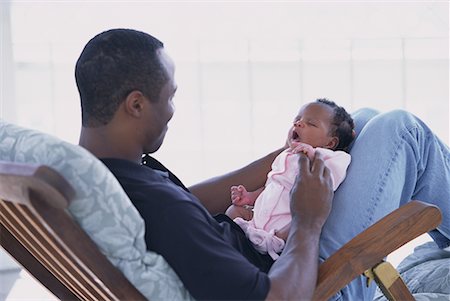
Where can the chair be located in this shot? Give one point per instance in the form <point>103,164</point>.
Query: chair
<point>365,253</point>
<point>38,232</point>
<point>99,207</point>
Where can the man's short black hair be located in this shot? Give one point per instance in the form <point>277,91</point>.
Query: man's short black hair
<point>113,64</point>
<point>343,124</point>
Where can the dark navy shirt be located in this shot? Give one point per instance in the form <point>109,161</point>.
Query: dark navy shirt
<point>211,255</point>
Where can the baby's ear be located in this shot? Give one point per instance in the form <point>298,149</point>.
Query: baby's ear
<point>333,143</point>
<point>353,134</point>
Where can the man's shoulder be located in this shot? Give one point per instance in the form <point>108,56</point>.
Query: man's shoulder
<point>145,184</point>
<point>127,170</point>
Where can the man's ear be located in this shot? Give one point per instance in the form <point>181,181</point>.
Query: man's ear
<point>333,143</point>
<point>134,103</point>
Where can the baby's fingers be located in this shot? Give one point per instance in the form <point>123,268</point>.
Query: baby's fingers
<point>235,199</point>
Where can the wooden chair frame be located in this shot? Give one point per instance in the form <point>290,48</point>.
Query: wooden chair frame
<point>365,253</point>
<point>39,233</point>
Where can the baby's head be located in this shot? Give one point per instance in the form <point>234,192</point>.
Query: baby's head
<point>323,124</point>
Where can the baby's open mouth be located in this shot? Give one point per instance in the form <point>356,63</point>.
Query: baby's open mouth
<point>295,136</point>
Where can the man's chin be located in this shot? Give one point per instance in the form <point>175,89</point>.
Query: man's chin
<point>155,147</point>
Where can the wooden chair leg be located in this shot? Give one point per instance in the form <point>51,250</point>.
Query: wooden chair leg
<point>389,281</point>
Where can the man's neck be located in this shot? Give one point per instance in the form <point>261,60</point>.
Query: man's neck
<point>103,143</point>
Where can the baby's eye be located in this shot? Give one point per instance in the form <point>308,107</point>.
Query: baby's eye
<point>312,124</point>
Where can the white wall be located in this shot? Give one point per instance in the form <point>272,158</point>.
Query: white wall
<point>243,70</point>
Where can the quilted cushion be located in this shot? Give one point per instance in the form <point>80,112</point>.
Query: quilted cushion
<point>100,207</point>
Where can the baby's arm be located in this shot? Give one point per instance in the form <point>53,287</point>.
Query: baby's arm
<point>240,196</point>
<point>238,211</point>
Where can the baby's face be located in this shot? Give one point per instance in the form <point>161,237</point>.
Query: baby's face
<point>313,126</point>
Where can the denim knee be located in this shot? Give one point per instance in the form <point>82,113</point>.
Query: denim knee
<point>361,117</point>
<point>366,112</point>
<point>398,114</point>
<point>398,121</point>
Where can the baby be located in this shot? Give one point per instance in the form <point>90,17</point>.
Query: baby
<point>264,214</point>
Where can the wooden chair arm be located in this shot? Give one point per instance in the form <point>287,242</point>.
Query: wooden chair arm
<point>372,245</point>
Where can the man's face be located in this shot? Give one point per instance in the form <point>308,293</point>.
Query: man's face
<point>312,125</point>
<point>162,110</point>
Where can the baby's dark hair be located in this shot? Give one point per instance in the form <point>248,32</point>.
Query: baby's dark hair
<point>343,124</point>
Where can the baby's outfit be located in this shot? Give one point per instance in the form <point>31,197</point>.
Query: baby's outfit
<point>271,211</point>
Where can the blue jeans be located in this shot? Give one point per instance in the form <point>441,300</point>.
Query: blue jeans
<point>395,158</point>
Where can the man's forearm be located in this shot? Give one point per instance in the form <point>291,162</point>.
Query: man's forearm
<point>293,276</point>
<point>215,193</point>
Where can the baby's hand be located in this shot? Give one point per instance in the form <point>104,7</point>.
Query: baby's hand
<point>240,196</point>
<point>304,148</point>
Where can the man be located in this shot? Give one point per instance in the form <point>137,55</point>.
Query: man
<point>126,84</point>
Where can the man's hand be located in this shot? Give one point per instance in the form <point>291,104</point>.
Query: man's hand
<point>312,192</point>
<point>311,198</point>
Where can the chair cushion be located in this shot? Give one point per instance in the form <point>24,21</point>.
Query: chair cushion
<point>100,207</point>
